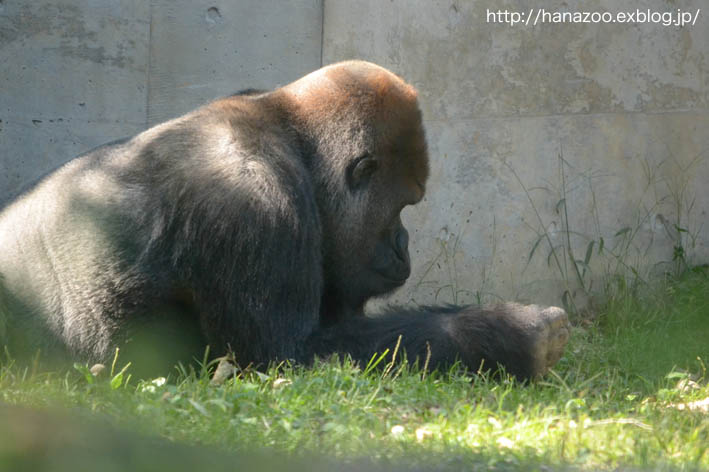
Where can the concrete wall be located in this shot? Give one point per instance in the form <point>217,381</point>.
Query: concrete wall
<point>625,105</point>
<point>75,74</point>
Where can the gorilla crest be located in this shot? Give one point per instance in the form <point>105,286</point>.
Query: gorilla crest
<point>260,223</point>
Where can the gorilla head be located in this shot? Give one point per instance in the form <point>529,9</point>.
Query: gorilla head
<point>368,161</point>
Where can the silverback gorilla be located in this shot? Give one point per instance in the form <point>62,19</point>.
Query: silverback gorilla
<point>258,224</point>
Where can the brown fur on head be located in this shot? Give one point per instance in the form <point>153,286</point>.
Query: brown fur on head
<point>361,100</point>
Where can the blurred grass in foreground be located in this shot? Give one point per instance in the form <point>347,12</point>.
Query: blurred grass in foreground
<point>613,401</point>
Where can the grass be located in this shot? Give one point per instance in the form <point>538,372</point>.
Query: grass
<point>610,403</point>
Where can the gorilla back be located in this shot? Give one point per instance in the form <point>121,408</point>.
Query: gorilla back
<point>164,234</point>
<point>260,223</point>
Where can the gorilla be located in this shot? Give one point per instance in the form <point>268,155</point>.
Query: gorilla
<point>259,224</point>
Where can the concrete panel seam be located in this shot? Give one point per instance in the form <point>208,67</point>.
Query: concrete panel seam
<point>322,31</point>
<point>679,111</point>
<point>149,67</point>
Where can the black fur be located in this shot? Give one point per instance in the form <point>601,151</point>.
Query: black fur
<point>480,338</point>
<point>259,224</point>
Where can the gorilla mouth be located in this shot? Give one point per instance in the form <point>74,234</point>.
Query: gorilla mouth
<point>394,280</point>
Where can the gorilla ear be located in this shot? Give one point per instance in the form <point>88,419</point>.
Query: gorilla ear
<point>360,170</point>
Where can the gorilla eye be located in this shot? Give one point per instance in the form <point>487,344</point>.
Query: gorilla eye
<point>360,171</point>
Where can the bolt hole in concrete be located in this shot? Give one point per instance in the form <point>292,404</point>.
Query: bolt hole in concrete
<point>213,15</point>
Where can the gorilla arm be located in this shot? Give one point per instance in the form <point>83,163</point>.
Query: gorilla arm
<point>525,340</point>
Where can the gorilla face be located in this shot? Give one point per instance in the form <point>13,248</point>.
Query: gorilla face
<point>372,243</point>
<point>392,179</point>
<point>370,257</point>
